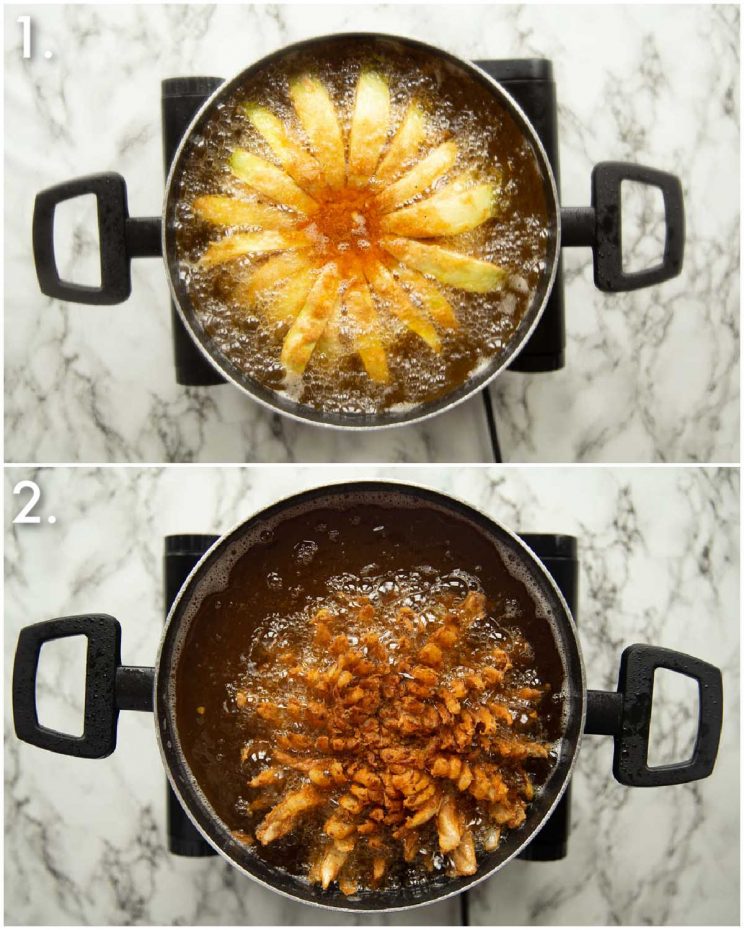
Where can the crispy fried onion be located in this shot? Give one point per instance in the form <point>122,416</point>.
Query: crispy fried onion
<point>407,744</point>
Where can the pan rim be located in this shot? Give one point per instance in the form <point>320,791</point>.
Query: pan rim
<point>477,381</point>
<point>427,495</point>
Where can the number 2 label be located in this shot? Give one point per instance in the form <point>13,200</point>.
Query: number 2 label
<point>25,515</point>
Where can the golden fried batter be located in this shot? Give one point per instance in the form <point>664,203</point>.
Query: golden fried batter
<point>392,734</point>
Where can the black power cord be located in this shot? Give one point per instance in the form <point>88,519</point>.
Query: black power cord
<point>464,909</point>
<point>491,423</point>
<point>493,437</point>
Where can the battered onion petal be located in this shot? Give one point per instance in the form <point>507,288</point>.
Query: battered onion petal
<point>298,163</point>
<point>492,839</point>
<point>397,302</point>
<point>473,608</point>
<point>283,816</point>
<point>463,858</point>
<point>432,299</point>
<point>240,244</point>
<point>379,867</point>
<point>330,344</point>
<point>270,181</point>
<point>300,341</point>
<point>338,828</point>
<point>453,268</point>
<point>363,316</point>
<point>331,863</point>
<point>269,776</point>
<point>446,213</point>
<point>449,828</point>
<point>289,299</point>
<point>273,273</point>
<point>424,814</point>
<point>317,115</point>
<point>369,126</point>
<point>423,174</point>
<point>230,211</point>
<point>405,144</point>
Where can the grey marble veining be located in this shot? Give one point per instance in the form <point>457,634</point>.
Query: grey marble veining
<point>659,551</point>
<point>651,375</point>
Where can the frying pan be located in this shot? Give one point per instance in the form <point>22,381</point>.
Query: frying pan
<point>123,238</point>
<point>624,714</point>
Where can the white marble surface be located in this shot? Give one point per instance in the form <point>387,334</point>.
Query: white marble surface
<point>84,841</point>
<point>651,376</point>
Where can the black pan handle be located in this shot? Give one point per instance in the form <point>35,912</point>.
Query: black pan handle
<point>626,715</point>
<point>600,226</point>
<point>109,686</point>
<point>121,238</point>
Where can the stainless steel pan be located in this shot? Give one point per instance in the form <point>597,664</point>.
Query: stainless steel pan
<point>123,238</point>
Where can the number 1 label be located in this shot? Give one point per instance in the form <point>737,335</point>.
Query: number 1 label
<point>25,22</point>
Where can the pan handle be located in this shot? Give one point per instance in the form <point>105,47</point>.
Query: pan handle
<point>600,226</point>
<point>121,238</point>
<point>626,715</point>
<point>109,686</point>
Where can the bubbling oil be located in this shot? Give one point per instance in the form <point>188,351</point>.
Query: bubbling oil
<point>518,238</point>
<point>338,559</point>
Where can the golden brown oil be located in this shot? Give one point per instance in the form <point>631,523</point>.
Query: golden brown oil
<point>517,238</point>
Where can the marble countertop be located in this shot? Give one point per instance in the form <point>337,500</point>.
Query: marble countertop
<point>651,375</point>
<point>659,552</point>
